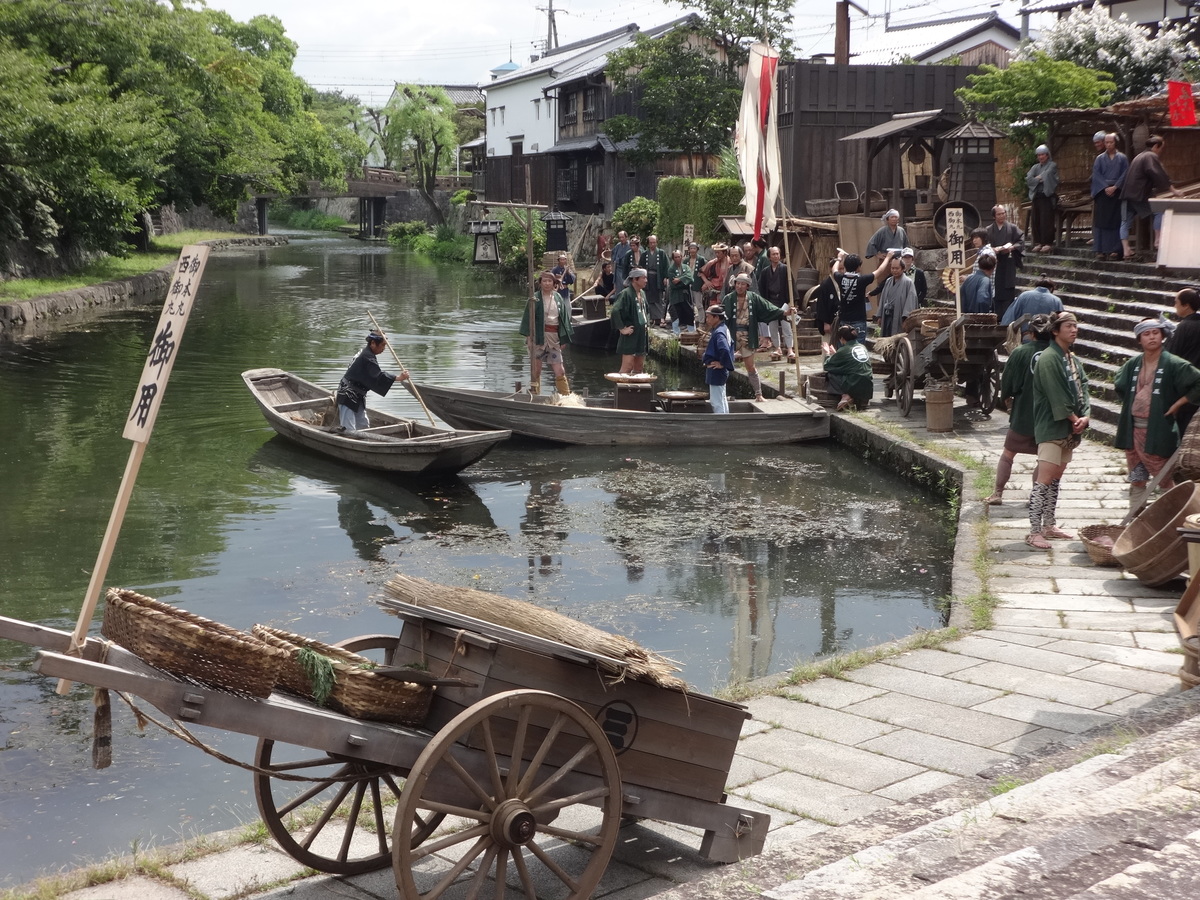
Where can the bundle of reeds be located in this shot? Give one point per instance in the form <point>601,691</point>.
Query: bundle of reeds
<point>640,664</point>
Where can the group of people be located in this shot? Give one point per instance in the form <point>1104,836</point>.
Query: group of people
<point>1121,192</point>
<point>1045,388</point>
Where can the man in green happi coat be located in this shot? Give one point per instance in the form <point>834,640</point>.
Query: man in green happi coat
<point>1061,410</point>
<point>1154,386</point>
<point>745,310</point>
<point>1016,390</point>
<point>628,316</point>
<point>680,279</point>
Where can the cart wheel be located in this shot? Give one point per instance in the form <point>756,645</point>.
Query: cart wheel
<point>989,390</point>
<point>333,825</point>
<point>506,844</point>
<point>905,378</point>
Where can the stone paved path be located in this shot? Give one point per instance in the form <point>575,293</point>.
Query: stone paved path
<point>1072,646</point>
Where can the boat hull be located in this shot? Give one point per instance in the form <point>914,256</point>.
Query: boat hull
<point>770,422</point>
<point>296,408</point>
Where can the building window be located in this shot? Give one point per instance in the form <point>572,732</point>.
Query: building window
<point>591,178</point>
<point>501,115</point>
<point>493,112</point>
<point>570,110</point>
<point>537,109</point>
<point>589,104</point>
<point>566,184</point>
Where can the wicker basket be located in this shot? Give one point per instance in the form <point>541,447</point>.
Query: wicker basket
<point>190,646</point>
<point>808,343</point>
<point>357,691</point>
<point>1151,548</point>
<point>1100,554</point>
<point>1188,466</point>
<point>822,207</point>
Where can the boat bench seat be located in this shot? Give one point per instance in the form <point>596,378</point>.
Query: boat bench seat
<point>314,403</point>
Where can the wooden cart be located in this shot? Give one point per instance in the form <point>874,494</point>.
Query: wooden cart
<point>961,351</point>
<point>516,785</point>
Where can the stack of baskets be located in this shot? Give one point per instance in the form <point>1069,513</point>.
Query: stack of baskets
<point>1151,547</point>
<point>190,646</point>
<point>356,691</point>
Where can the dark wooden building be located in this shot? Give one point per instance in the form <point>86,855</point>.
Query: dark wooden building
<point>821,103</point>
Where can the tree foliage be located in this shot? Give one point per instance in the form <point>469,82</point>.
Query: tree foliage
<point>1001,96</point>
<point>421,130</point>
<point>699,202</point>
<point>1138,63</point>
<point>113,105</point>
<point>639,216</point>
<point>686,101</point>
<point>733,25</point>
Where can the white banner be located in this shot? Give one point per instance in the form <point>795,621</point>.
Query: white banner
<point>757,140</point>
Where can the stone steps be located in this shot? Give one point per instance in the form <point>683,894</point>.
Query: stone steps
<point>1127,818</point>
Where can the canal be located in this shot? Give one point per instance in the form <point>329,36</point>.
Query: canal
<point>737,563</point>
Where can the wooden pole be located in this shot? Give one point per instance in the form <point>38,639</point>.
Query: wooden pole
<point>412,387</point>
<point>787,250</point>
<point>107,545</point>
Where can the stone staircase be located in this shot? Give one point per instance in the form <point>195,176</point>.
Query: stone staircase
<point>1109,298</point>
<point>1115,818</point>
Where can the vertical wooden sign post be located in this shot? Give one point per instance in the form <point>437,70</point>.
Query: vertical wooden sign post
<point>956,250</point>
<point>689,235</point>
<point>143,412</point>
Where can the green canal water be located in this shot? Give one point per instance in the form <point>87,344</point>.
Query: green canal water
<point>736,563</point>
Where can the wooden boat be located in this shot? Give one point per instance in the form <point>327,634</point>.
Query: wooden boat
<point>306,413</point>
<point>590,324</point>
<point>600,422</point>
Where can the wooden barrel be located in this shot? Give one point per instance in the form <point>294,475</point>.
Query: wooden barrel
<point>971,219</point>
<point>803,279</point>
<point>1151,548</point>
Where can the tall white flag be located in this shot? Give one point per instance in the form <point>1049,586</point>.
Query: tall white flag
<point>757,140</point>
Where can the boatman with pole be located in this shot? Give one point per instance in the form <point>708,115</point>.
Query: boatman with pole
<point>363,375</point>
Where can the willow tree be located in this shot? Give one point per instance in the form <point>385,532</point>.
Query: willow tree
<point>420,128</point>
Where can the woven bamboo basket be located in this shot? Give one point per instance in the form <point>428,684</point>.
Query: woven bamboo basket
<point>190,646</point>
<point>1151,548</point>
<point>1188,466</point>
<point>1100,554</point>
<point>357,691</point>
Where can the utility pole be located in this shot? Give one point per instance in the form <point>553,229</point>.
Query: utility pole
<point>841,33</point>
<point>551,26</point>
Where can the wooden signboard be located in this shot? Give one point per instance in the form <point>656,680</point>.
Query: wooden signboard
<point>956,248</point>
<point>689,234</point>
<point>147,400</point>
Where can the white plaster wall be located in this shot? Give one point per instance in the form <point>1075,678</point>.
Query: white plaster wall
<point>520,118</point>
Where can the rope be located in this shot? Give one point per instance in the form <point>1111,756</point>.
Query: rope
<point>958,342</point>
<point>102,721</point>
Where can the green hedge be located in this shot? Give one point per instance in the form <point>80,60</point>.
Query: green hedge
<point>699,201</point>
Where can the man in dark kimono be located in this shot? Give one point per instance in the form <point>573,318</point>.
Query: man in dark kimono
<point>1005,238</point>
<point>656,264</point>
<point>363,375</point>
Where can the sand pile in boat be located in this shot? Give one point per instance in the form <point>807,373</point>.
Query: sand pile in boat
<point>640,664</point>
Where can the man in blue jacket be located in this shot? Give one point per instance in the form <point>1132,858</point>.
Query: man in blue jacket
<point>718,358</point>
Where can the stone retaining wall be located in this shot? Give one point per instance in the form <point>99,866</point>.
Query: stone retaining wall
<point>138,288</point>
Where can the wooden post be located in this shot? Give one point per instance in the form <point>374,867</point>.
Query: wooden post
<point>147,401</point>
<point>787,262</point>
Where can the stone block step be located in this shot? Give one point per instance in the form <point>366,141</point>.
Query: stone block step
<point>1057,836</point>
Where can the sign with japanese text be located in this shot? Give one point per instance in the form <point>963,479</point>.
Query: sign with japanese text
<point>956,239</point>
<point>689,234</point>
<point>181,296</point>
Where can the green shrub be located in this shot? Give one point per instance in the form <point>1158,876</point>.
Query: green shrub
<point>460,197</point>
<point>310,219</point>
<point>698,201</point>
<point>402,234</point>
<point>639,216</point>
<point>513,263</point>
<point>446,233</point>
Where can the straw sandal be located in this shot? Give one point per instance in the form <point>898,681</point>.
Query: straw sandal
<point>844,403</point>
<point>1054,533</point>
<point>997,499</point>
<point>1034,539</point>
<point>791,357</point>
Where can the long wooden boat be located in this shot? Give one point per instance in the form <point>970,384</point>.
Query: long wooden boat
<point>306,413</point>
<point>600,422</point>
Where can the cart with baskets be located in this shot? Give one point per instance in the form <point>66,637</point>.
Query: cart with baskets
<point>531,756</point>
<point>938,345</point>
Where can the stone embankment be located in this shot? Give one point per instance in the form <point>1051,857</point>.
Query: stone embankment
<point>136,289</point>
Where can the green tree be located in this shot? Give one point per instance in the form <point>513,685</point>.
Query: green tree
<point>1001,96</point>
<point>733,25</point>
<point>1139,63</point>
<point>660,73</point>
<point>639,216</point>
<point>421,128</point>
<point>342,118</point>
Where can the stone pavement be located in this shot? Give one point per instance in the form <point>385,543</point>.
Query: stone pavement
<point>1072,647</point>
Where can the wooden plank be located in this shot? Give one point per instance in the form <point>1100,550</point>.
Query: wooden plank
<point>314,403</point>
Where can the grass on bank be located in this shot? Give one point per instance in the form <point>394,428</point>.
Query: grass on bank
<point>163,251</point>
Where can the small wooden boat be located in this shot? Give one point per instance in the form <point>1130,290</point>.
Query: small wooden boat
<point>590,324</point>
<point>601,422</point>
<point>306,413</point>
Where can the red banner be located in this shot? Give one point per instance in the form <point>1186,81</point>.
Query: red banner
<point>1181,104</point>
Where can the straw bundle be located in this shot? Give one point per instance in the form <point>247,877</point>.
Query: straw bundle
<point>641,664</point>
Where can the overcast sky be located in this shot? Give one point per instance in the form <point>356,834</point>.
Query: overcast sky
<point>364,46</point>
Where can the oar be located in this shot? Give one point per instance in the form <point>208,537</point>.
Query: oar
<point>412,387</point>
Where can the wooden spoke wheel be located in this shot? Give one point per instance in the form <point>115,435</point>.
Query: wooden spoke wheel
<point>904,376</point>
<point>339,822</point>
<point>509,844</point>
<point>989,388</point>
